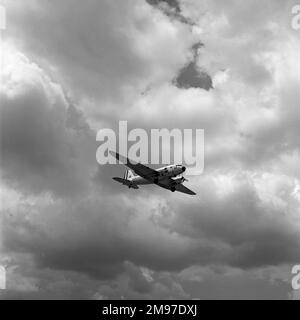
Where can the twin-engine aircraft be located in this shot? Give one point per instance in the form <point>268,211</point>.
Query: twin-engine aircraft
<point>169,177</point>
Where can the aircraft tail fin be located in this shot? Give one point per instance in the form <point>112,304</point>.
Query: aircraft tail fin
<point>128,174</point>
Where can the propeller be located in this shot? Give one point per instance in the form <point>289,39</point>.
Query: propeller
<point>183,178</point>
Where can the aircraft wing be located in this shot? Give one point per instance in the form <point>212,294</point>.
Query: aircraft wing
<point>138,168</point>
<point>167,183</point>
<point>184,189</point>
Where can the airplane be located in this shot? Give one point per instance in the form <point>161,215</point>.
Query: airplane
<point>165,177</point>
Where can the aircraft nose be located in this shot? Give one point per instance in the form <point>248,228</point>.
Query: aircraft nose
<point>183,169</point>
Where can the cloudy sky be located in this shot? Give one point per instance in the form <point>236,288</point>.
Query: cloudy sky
<point>70,68</point>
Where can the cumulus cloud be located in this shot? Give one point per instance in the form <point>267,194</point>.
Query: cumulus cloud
<point>41,136</point>
<point>117,50</point>
<point>69,231</point>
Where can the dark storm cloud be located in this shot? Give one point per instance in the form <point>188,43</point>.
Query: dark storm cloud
<point>40,138</point>
<point>108,235</point>
<point>171,8</point>
<point>25,280</point>
<point>172,3</point>
<point>191,77</point>
<point>96,49</point>
<point>101,235</point>
<point>237,287</point>
<point>75,38</point>
<point>257,234</point>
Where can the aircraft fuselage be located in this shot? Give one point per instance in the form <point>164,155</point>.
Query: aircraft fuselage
<point>168,171</point>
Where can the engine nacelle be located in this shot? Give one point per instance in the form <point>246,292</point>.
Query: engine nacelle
<point>171,171</point>
<point>179,180</point>
<point>176,170</point>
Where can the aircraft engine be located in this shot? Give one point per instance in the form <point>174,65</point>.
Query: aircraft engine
<point>179,180</point>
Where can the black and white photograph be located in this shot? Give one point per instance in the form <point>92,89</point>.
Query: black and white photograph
<point>150,150</point>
